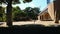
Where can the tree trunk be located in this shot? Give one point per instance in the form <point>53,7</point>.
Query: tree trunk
<point>57,17</point>
<point>9,13</point>
<point>57,10</point>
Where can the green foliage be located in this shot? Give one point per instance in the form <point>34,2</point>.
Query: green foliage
<point>27,1</point>
<point>2,14</point>
<point>32,13</point>
<point>13,1</point>
<point>16,2</point>
<point>36,10</point>
<point>18,14</point>
<point>25,14</point>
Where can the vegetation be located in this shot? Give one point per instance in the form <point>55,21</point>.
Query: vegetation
<point>26,14</point>
<point>17,13</point>
<point>20,15</point>
<point>2,14</point>
<point>32,13</point>
<point>9,11</point>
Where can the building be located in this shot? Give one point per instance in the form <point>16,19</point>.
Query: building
<point>44,15</point>
<point>52,10</point>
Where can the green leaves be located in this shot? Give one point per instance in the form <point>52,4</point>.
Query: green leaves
<point>15,2</point>
<point>27,1</point>
<point>32,13</point>
<point>2,14</point>
<point>2,0</point>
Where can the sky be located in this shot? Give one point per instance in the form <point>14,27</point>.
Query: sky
<point>35,3</point>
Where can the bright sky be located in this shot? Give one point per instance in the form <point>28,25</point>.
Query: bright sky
<point>35,3</point>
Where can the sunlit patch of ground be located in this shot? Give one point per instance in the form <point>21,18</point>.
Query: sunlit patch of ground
<point>3,24</point>
<point>46,23</point>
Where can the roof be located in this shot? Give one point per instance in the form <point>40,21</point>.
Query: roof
<point>45,10</point>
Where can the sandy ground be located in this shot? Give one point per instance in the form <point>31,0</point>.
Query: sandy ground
<point>46,23</point>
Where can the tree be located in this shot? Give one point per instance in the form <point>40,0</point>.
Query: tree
<point>57,10</point>
<point>27,1</point>
<point>36,10</point>
<point>27,9</point>
<point>2,13</point>
<point>9,10</point>
<point>29,12</point>
<point>32,13</point>
<point>17,12</point>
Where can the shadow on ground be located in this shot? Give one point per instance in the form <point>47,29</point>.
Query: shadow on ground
<point>28,29</point>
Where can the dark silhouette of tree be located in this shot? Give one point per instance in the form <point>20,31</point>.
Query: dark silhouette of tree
<point>36,10</point>
<point>18,14</point>
<point>29,12</point>
<point>57,10</point>
<point>32,13</point>
<point>1,14</point>
<point>27,1</point>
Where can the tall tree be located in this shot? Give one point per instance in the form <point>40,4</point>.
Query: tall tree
<point>57,10</point>
<point>1,14</point>
<point>28,11</point>
<point>36,10</point>
<point>32,13</point>
<point>9,10</point>
<point>16,12</point>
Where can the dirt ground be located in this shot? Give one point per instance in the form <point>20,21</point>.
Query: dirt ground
<point>46,23</point>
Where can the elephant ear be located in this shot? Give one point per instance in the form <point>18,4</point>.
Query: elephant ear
<point>27,1</point>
